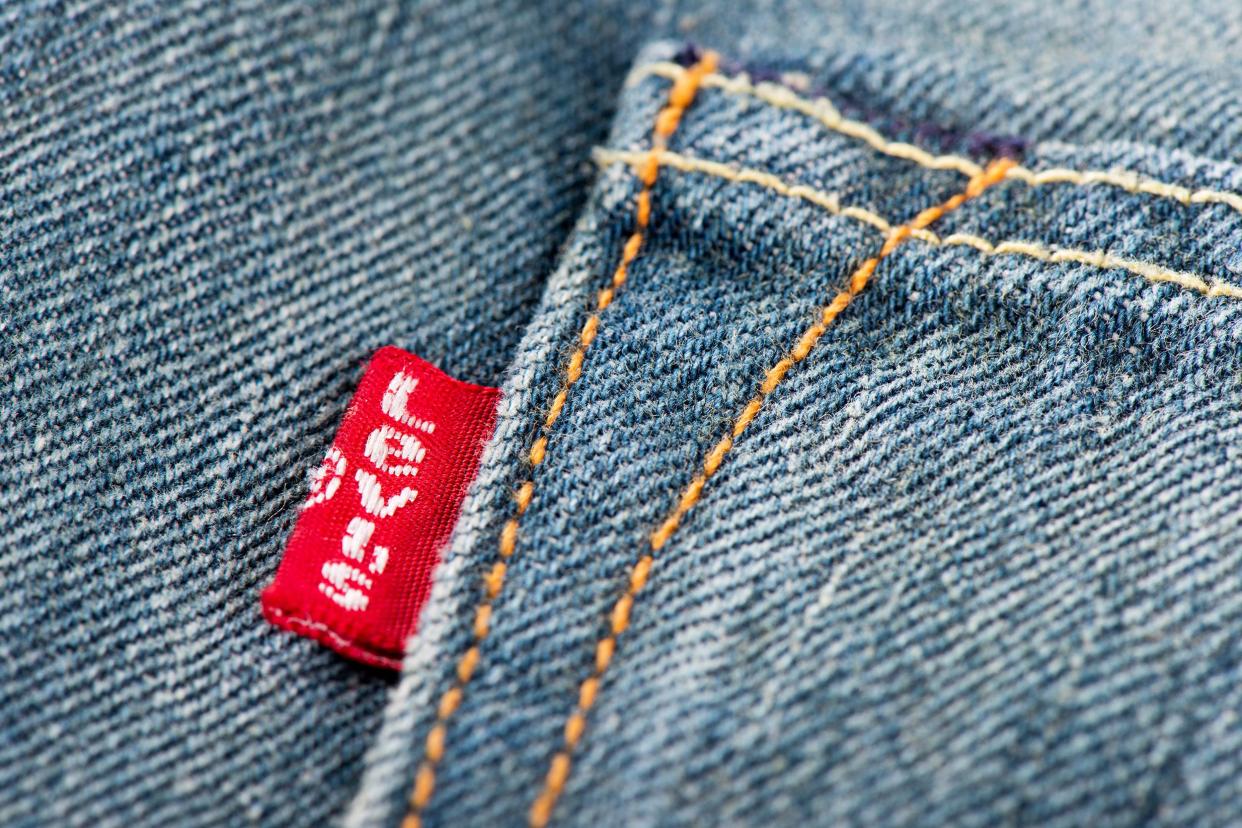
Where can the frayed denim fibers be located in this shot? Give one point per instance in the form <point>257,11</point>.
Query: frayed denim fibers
<point>973,562</point>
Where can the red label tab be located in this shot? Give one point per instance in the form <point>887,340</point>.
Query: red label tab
<point>358,565</point>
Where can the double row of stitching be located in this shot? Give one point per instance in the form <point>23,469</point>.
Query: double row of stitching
<point>825,112</point>
<point>686,84</point>
<point>619,617</point>
<point>680,96</point>
<point>832,203</point>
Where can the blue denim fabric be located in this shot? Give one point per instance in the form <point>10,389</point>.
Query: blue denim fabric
<point>976,561</point>
<point>210,216</point>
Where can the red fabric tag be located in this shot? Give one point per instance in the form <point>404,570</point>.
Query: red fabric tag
<point>358,566</point>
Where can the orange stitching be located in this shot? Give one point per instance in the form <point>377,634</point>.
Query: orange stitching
<point>680,96</point>
<point>619,618</point>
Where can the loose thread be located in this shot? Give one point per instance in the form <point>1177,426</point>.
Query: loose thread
<point>680,95</point>
<point>619,618</point>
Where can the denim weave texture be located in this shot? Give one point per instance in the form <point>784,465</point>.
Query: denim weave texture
<point>211,215</point>
<point>977,560</point>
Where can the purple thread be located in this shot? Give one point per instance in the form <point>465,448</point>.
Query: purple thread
<point>688,55</point>
<point>764,75</point>
<point>939,137</point>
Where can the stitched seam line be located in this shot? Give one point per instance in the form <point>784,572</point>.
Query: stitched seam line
<point>323,629</point>
<point>831,203</point>
<point>619,617</point>
<point>681,94</point>
<point>823,110</point>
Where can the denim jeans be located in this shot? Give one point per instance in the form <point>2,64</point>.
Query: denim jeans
<point>892,476</point>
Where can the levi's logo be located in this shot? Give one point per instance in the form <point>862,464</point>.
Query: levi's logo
<point>358,566</point>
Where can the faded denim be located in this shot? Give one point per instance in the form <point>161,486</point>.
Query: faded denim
<point>211,215</point>
<point>976,561</point>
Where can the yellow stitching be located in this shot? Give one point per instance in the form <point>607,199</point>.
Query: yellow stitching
<point>619,617</point>
<point>822,110</point>
<point>680,96</point>
<point>830,202</point>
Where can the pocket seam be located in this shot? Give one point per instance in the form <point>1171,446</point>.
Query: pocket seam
<point>619,616</point>
<point>680,95</point>
<point>825,112</point>
<point>1015,247</point>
